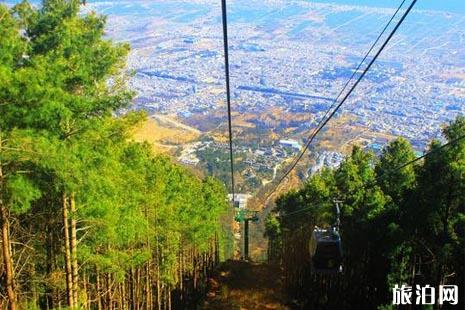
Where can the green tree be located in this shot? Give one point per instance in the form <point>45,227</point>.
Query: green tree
<point>399,226</point>
<point>440,209</point>
<point>60,90</point>
<point>105,221</point>
<point>16,189</point>
<point>396,183</point>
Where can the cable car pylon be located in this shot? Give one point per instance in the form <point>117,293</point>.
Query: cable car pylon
<point>246,216</point>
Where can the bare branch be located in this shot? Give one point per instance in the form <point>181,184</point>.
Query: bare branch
<point>82,238</point>
<point>24,245</point>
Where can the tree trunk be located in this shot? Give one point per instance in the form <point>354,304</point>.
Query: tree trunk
<point>138,288</point>
<point>108,303</point>
<point>157,260</point>
<point>6,247</point>
<point>120,300</point>
<point>50,266</point>
<point>86,292</point>
<point>68,268</point>
<point>181,272</point>
<point>73,242</point>
<point>98,291</point>
<point>123,294</point>
<point>148,287</point>
<point>132,288</point>
<point>7,259</point>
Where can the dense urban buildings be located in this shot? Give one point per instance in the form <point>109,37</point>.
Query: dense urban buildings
<point>289,60</point>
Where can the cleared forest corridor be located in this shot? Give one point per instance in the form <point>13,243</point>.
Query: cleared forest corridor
<point>246,285</point>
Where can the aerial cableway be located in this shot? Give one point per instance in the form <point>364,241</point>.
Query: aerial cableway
<point>326,247</point>
<point>387,173</point>
<point>332,112</point>
<point>326,242</point>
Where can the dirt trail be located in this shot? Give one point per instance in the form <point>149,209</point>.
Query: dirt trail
<point>175,123</point>
<point>245,286</point>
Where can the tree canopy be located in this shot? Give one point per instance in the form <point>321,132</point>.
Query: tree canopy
<point>90,218</point>
<point>399,226</point>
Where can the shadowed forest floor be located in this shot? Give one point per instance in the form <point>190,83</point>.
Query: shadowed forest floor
<point>244,286</point>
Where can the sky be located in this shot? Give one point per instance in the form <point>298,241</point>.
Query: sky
<point>453,6</point>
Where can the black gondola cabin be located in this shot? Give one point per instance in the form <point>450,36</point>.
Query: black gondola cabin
<point>326,251</point>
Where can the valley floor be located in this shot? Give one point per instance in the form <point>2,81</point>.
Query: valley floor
<point>245,286</point>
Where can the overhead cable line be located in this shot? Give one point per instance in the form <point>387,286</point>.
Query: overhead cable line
<point>384,175</point>
<point>311,137</point>
<point>324,121</point>
<point>433,151</point>
<point>228,91</point>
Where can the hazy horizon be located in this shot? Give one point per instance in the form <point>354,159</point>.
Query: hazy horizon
<point>453,6</point>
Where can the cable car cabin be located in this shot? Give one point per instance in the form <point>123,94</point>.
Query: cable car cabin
<point>326,251</point>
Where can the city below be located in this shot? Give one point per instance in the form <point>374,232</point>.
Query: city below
<point>288,63</point>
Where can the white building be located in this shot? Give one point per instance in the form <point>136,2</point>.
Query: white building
<point>290,143</point>
<point>240,200</point>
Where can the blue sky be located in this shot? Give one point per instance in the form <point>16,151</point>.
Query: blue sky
<point>456,6</point>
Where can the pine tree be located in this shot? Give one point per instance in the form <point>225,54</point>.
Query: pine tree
<point>106,223</point>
